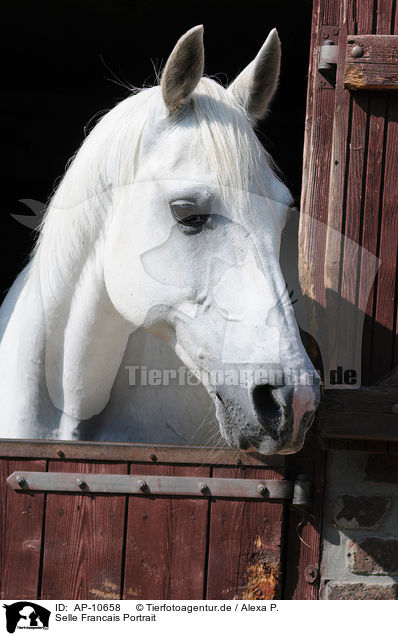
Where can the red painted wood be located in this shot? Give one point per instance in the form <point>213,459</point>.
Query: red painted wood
<point>20,534</point>
<point>384,340</point>
<point>303,532</point>
<point>358,203</point>
<point>385,314</point>
<point>377,68</point>
<point>166,541</point>
<point>353,196</point>
<point>369,238</point>
<point>245,543</point>
<point>83,540</point>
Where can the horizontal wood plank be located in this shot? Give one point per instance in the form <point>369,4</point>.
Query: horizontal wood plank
<point>376,68</point>
<point>368,413</point>
<point>115,451</point>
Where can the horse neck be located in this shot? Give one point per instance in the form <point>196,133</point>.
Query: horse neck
<point>84,342</point>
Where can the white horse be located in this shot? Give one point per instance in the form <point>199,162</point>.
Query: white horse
<point>164,235</point>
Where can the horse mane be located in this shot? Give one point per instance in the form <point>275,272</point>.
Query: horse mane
<point>77,214</point>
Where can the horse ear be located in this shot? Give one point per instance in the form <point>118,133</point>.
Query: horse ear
<point>183,69</point>
<point>256,84</point>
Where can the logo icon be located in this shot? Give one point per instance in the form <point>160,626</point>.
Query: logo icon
<point>26,615</point>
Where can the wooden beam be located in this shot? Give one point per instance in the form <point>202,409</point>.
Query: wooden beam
<point>152,454</point>
<point>371,62</point>
<point>367,413</point>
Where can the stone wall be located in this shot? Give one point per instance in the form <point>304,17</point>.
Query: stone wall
<point>360,527</point>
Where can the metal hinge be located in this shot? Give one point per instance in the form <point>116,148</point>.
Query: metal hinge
<point>328,52</point>
<point>29,482</point>
<point>327,57</point>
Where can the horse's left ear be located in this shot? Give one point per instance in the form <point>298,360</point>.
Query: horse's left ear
<point>183,69</point>
<point>256,84</point>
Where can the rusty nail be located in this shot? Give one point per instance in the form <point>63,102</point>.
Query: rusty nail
<point>311,573</point>
<point>262,489</point>
<point>81,483</point>
<point>142,485</point>
<point>60,453</point>
<point>202,487</point>
<point>357,51</point>
<point>394,409</point>
<point>153,457</point>
<point>20,480</point>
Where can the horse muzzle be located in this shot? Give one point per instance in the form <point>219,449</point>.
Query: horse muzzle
<point>269,419</point>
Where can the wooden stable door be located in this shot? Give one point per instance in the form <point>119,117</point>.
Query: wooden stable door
<point>71,545</point>
<point>349,221</point>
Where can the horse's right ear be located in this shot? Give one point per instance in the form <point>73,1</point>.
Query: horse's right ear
<point>183,69</point>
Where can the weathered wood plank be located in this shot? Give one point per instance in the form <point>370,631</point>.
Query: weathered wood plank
<point>356,445</point>
<point>245,544</point>
<point>115,451</point>
<point>20,535</point>
<point>166,542</point>
<point>367,413</point>
<point>376,68</point>
<point>83,540</point>
<point>371,399</point>
<point>385,311</point>
<point>341,264</point>
<point>303,533</point>
<point>377,114</point>
<point>370,224</point>
<point>355,426</point>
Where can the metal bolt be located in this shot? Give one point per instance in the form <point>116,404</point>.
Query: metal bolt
<point>202,487</point>
<point>262,489</point>
<point>394,409</point>
<point>81,483</point>
<point>20,480</point>
<point>311,573</point>
<point>153,457</point>
<point>357,51</point>
<point>142,485</point>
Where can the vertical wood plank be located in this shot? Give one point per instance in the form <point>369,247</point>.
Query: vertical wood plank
<point>166,541</point>
<point>351,200</point>
<point>395,362</point>
<point>20,534</point>
<point>303,535</point>
<point>385,314</point>
<point>384,336</point>
<point>245,543</point>
<point>83,540</point>
<point>316,175</point>
<point>369,240</point>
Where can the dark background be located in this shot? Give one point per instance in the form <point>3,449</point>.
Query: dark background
<point>63,63</point>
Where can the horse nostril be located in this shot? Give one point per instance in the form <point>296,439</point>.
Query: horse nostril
<point>243,442</point>
<point>264,402</point>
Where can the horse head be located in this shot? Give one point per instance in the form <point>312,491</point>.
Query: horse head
<point>192,249</point>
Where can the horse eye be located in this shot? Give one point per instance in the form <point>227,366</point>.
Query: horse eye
<point>188,214</point>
